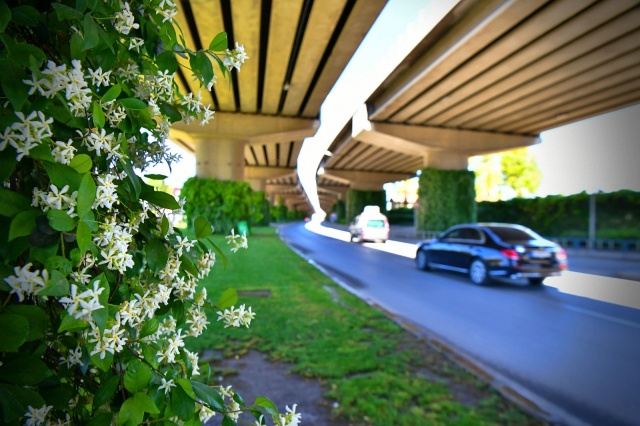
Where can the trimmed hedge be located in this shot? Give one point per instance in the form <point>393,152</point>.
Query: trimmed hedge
<point>447,197</point>
<point>357,200</point>
<point>223,203</point>
<point>617,214</point>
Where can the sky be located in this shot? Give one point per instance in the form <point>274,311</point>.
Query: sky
<point>601,153</point>
<point>598,154</point>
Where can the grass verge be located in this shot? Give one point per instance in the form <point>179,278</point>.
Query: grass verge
<point>379,373</point>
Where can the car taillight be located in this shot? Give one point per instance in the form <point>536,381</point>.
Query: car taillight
<point>561,257</point>
<point>510,254</point>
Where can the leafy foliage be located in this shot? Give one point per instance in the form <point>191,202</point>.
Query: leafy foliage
<point>357,200</point>
<point>446,198</point>
<point>568,216</point>
<point>223,203</point>
<point>99,291</point>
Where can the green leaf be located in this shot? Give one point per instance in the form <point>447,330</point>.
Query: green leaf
<point>98,115</point>
<point>159,198</point>
<point>170,111</point>
<point>81,163</point>
<point>182,404</point>
<point>14,330</point>
<point>15,400</point>
<point>267,404</point>
<point>145,403</point>
<point>137,376</point>
<point>164,225</point>
<point>208,395</point>
<point>42,152</point>
<point>91,28</point>
<point>69,323</point>
<point>132,103</point>
<point>130,413</point>
<point>112,93</point>
<point>201,63</point>
<point>58,285</point>
<point>106,391</point>
<point>5,16</point>
<point>34,315</point>
<point>11,80</point>
<point>188,266</point>
<point>25,15</point>
<point>86,195</point>
<point>167,61</point>
<point>28,55</point>
<point>65,12</point>
<point>219,253</point>
<point>59,263</point>
<point>149,350</point>
<point>154,176</point>
<point>219,42</point>
<point>61,175</point>
<point>12,203</point>
<point>186,386</point>
<point>133,409</point>
<point>149,327</point>
<point>8,164</point>
<point>23,223</point>
<point>228,299</point>
<point>202,227</point>
<point>104,364</point>
<point>83,236</point>
<point>156,254</point>
<point>26,370</point>
<point>101,419</point>
<point>132,176</point>
<point>60,221</point>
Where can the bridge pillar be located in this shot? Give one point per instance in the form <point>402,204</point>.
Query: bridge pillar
<point>445,160</point>
<point>222,159</point>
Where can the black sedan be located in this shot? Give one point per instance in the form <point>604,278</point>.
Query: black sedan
<point>490,250</point>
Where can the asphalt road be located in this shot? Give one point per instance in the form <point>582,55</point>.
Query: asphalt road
<point>575,357</point>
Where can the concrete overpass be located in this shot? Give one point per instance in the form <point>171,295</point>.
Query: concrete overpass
<point>490,76</point>
<point>297,50</point>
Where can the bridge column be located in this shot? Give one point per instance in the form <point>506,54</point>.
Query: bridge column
<point>222,159</point>
<point>445,160</point>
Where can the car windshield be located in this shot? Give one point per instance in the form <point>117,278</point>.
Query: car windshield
<point>513,234</point>
<point>375,223</point>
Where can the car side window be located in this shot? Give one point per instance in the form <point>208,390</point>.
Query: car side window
<point>464,235</point>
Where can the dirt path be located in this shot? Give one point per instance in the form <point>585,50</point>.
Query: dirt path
<point>252,375</point>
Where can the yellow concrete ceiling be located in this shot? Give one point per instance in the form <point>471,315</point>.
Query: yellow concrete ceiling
<point>297,50</point>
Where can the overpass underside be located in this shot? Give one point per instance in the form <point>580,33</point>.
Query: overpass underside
<point>490,76</point>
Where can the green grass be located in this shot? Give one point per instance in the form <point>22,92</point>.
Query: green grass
<point>379,373</point>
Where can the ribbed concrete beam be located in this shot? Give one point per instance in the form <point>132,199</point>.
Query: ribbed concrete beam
<point>365,180</point>
<point>252,128</point>
<point>419,140</point>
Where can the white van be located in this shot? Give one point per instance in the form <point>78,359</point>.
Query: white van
<point>370,225</point>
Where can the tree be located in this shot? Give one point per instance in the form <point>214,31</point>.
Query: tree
<point>99,291</point>
<point>504,175</point>
<point>521,172</point>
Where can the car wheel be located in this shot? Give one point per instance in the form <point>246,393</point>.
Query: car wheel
<point>422,260</point>
<point>478,272</point>
<point>536,281</point>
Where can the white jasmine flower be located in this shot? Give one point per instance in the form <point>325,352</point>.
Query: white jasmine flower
<point>25,282</point>
<point>63,152</point>
<point>124,20</point>
<point>167,385</point>
<point>236,317</point>
<point>35,417</point>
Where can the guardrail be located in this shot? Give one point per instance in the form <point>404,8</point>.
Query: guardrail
<point>598,244</point>
<point>604,244</point>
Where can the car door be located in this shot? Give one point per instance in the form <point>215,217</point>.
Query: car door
<point>446,251</point>
<point>469,242</point>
